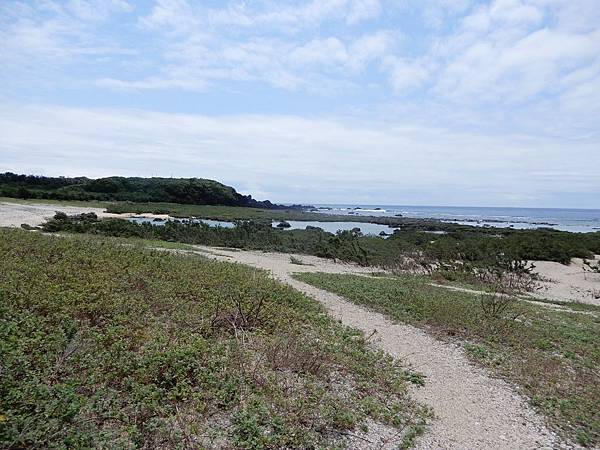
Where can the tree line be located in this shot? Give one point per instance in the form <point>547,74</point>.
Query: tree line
<point>195,191</point>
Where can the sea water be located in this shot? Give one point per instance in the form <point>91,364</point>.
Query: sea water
<point>574,220</point>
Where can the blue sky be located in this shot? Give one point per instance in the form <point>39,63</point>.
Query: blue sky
<point>372,101</point>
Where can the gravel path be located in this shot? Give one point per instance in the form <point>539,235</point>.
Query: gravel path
<point>472,409</point>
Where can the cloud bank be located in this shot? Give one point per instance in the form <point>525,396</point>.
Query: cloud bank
<point>419,101</point>
<point>289,158</point>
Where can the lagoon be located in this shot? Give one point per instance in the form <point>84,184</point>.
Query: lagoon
<point>331,227</point>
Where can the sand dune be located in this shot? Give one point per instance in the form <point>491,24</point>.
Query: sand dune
<point>568,283</point>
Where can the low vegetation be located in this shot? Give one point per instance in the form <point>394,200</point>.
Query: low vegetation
<point>591,266</point>
<point>106,344</point>
<point>297,261</point>
<point>552,355</point>
<point>452,253</point>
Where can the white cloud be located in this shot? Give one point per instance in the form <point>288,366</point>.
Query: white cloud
<point>286,16</point>
<point>171,16</point>
<point>512,52</point>
<point>155,83</point>
<point>327,158</point>
<point>259,42</point>
<point>200,60</point>
<point>406,74</point>
<point>353,55</point>
<point>514,12</point>
<point>363,10</point>
<point>42,38</point>
<point>96,10</point>
<point>437,12</point>
<point>320,51</point>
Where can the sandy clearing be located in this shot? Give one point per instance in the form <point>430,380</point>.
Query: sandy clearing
<point>568,283</point>
<point>14,214</point>
<point>473,410</point>
<point>35,214</point>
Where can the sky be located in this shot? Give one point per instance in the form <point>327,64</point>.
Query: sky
<point>402,102</point>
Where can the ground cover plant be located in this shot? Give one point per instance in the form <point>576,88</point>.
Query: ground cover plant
<point>553,356</point>
<point>105,344</point>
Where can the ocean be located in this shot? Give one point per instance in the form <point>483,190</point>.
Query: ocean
<point>573,220</point>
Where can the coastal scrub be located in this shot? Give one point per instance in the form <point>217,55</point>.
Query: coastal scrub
<point>108,345</point>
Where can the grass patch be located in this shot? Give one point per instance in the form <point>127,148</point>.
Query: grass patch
<point>108,345</point>
<point>205,211</point>
<point>575,306</point>
<point>552,355</point>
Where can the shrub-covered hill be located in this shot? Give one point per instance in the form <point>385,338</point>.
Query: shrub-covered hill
<point>196,191</point>
<point>109,345</point>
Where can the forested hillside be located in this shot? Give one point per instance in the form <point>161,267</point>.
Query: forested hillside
<point>197,191</point>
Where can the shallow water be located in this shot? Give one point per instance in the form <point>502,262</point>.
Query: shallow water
<point>160,222</point>
<point>331,227</point>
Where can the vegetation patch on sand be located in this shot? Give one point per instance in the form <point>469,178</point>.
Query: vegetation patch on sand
<point>109,345</point>
<point>553,356</point>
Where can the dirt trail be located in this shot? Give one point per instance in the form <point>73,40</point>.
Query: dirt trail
<point>472,409</point>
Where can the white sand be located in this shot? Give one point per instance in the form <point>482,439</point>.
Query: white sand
<point>568,283</point>
<point>14,214</point>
